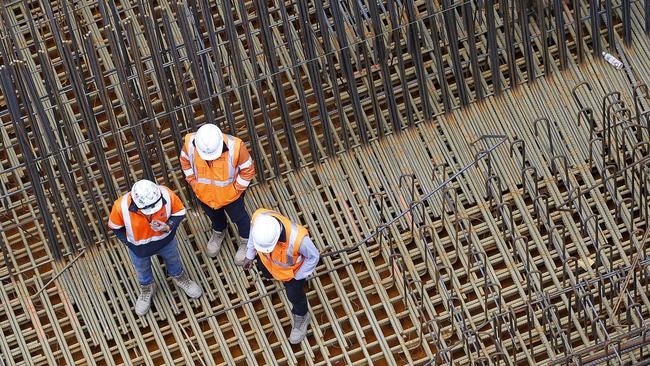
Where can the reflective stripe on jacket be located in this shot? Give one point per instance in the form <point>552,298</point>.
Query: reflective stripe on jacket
<point>137,225</point>
<point>223,180</point>
<point>284,261</point>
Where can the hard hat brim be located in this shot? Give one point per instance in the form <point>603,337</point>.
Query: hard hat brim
<point>152,210</point>
<point>264,250</point>
<point>211,156</point>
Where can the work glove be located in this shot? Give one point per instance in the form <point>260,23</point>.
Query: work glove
<point>159,226</point>
<point>248,263</point>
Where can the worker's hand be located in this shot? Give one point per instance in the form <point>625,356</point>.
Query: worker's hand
<point>157,225</point>
<point>248,263</point>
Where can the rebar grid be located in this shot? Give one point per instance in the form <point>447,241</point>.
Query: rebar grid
<point>508,238</point>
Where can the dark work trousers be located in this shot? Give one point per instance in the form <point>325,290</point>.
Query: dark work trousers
<point>295,291</point>
<point>236,212</point>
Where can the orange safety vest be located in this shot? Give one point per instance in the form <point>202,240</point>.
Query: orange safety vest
<point>138,229</point>
<point>284,261</point>
<point>215,183</point>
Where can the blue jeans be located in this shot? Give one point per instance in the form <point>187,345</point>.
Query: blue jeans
<point>169,254</point>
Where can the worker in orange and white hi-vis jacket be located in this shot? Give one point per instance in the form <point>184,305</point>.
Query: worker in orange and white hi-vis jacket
<point>219,169</point>
<point>146,220</point>
<point>287,254</point>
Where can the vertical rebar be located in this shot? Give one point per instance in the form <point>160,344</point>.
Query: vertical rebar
<point>577,17</point>
<point>543,34</point>
<point>313,68</point>
<point>247,106</point>
<point>493,47</point>
<point>325,30</point>
<point>473,52</point>
<point>126,88</point>
<point>440,66</point>
<point>381,57</point>
<point>525,36</point>
<point>145,100</point>
<point>294,73</point>
<point>344,54</point>
<point>509,27</point>
<point>594,15</point>
<point>449,15</point>
<point>368,64</point>
<point>561,35</point>
<point>196,63</point>
<point>261,91</point>
<point>16,119</point>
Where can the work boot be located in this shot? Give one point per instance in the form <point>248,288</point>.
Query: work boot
<point>143,303</point>
<point>299,328</point>
<point>214,244</point>
<point>241,252</point>
<point>191,288</point>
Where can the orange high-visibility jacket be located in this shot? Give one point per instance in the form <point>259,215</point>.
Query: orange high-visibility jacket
<point>138,228</point>
<point>220,181</point>
<point>284,261</point>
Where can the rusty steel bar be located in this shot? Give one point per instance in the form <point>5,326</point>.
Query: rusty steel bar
<point>126,88</point>
<point>440,68</point>
<point>424,198</point>
<point>443,284</point>
<point>307,35</point>
<point>368,64</point>
<point>452,35</point>
<point>344,53</point>
<point>247,104</point>
<point>509,25</point>
<point>14,109</point>
<point>295,74</point>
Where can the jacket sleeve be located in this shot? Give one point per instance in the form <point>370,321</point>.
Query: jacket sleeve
<point>121,234</point>
<point>174,222</point>
<point>115,220</point>
<point>246,168</point>
<point>311,257</point>
<point>178,211</point>
<point>250,249</point>
<point>186,166</point>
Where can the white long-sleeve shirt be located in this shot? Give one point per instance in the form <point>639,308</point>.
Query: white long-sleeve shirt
<point>307,250</point>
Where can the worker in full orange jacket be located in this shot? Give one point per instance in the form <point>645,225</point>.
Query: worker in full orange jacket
<point>219,169</point>
<point>145,220</point>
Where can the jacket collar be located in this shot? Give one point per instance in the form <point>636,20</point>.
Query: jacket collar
<point>283,234</point>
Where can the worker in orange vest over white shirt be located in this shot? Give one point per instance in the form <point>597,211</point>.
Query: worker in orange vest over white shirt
<point>145,220</point>
<point>219,169</point>
<point>287,254</point>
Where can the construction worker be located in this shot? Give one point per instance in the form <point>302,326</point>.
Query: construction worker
<point>219,169</point>
<point>287,254</point>
<point>146,220</point>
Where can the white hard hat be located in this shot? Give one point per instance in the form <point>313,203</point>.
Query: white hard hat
<point>265,233</point>
<point>147,196</point>
<point>209,141</point>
